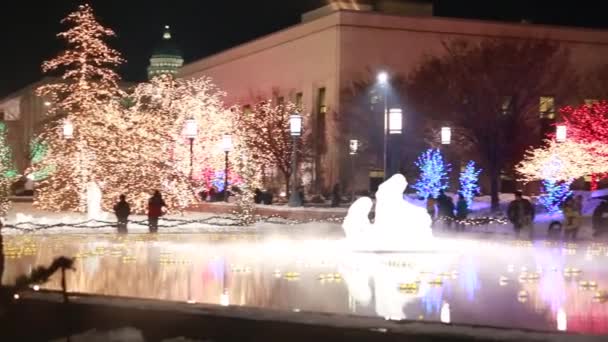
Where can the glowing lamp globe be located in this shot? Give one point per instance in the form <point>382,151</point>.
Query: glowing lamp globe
<point>395,121</point>
<point>353,146</point>
<point>224,299</point>
<point>227,142</point>
<point>560,133</point>
<point>382,77</point>
<point>191,129</point>
<point>295,125</point>
<point>446,135</point>
<point>68,129</point>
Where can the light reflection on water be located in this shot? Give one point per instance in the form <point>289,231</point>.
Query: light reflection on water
<point>542,286</point>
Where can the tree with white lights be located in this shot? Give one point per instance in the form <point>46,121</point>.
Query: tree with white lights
<point>433,174</point>
<point>88,81</point>
<point>265,131</point>
<point>7,171</point>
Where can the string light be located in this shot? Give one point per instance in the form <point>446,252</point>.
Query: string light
<point>7,171</point>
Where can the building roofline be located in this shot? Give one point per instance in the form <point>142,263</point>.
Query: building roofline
<point>347,18</point>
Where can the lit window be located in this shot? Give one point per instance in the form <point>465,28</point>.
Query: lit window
<point>322,106</point>
<point>507,104</point>
<point>591,101</point>
<point>547,107</point>
<point>299,101</point>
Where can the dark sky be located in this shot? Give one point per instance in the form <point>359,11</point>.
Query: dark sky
<point>203,27</point>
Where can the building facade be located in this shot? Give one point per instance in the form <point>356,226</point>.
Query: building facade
<point>334,46</point>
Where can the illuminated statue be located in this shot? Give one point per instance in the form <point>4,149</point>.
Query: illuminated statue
<point>398,224</point>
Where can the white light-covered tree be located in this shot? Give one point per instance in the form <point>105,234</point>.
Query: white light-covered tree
<point>8,173</point>
<point>265,131</point>
<point>576,160</point>
<point>88,81</point>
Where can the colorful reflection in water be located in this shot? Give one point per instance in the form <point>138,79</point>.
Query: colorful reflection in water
<point>541,285</point>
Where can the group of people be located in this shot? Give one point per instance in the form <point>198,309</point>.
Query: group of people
<point>122,210</point>
<point>443,208</point>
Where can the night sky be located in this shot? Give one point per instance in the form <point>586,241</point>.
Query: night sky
<point>203,27</point>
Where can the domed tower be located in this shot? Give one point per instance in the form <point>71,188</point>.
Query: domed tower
<point>166,59</point>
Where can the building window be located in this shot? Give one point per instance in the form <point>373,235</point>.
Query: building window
<point>247,109</point>
<point>299,101</point>
<point>591,101</point>
<point>507,105</point>
<point>547,107</point>
<point>321,105</point>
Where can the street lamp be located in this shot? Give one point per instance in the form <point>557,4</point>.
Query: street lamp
<point>382,79</point>
<point>68,129</point>
<point>560,133</point>
<point>227,147</point>
<point>446,135</point>
<point>295,129</point>
<point>190,133</point>
<point>353,149</point>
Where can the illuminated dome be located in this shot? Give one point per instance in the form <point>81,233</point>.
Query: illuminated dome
<point>166,59</point>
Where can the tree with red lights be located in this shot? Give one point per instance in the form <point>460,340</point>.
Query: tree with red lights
<point>588,125</point>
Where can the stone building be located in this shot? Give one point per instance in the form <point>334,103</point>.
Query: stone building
<point>345,41</point>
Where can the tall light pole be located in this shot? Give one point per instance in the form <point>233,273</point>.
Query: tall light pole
<point>382,79</point>
<point>395,126</point>
<point>68,134</point>
<point>446,135</point>
<point>353,148</point>
<point>227,147</point>
<point>295,129</point>
<point>191,131</point>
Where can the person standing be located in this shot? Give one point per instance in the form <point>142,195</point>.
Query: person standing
<point>599,220</point>
<point>462,211</point>
<point>155,210</point>
<point>122,210</point>
<point>445,206</point>
<point>430,207</point>
<point>572,218</point>
<point>521,213</point>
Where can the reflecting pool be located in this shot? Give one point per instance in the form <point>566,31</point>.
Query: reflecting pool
<point>543,285</point>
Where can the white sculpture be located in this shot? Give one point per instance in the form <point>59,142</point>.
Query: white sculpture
<point>398,225</point>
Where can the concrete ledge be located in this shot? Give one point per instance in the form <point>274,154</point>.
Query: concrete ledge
<point>158,320</point>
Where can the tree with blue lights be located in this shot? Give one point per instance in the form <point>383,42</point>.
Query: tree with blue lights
<point>469,180</point>
<point>433,174</point>
<point>554,194</point>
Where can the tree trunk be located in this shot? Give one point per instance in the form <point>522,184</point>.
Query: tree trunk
<point>287,183</point>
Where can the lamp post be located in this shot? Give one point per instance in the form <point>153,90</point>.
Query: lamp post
<point>68,130</point>
<point>353,149</point>
<point>382,79</point>
<point>227,147</point>
<point>190,133</point>
<point>560,133</point>
<point>68,134</point>
<point>295,129</point>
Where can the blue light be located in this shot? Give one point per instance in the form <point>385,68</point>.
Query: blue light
<point>554,194</point>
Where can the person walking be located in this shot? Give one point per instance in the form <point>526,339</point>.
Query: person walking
<point>572,218</point>
<point>155,210</point>
<point>462,211</point>
<point>521,213</point>
<point>122,210</point>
